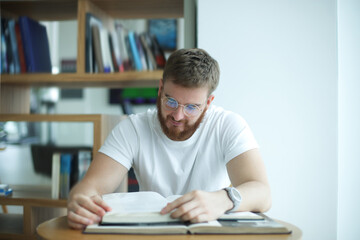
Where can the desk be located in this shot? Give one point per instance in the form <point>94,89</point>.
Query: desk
<point>58,229</point>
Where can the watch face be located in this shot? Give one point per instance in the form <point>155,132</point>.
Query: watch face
<point>236,194</point>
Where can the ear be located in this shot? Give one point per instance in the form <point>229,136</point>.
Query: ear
<point>160,86</point>
<point>209,100</point>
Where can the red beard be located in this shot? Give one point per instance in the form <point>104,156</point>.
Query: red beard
<point>173,132</point>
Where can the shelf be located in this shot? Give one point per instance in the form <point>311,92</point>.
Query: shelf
<point>73,80</point>
<point>142,8</point>
<point>58,10</point>
<point>102,123</point>
<point>32,198</point>
<point>41,10</point>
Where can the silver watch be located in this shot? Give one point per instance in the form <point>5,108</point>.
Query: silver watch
<point>234,196</point>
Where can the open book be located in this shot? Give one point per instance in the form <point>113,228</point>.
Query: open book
<point>139,213</point>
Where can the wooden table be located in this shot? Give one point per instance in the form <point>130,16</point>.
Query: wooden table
<point>58,229</point>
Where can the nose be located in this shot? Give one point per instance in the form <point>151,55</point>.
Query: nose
<point>178,114</point>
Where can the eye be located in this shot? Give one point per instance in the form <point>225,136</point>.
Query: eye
<point>172,103</point>
<point>191,109</point>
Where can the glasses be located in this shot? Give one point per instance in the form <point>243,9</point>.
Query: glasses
<point>190,110</point>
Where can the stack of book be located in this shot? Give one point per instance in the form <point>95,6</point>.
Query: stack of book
<point>67,170</point>
<point>120,50</point>
<point>24,46</point>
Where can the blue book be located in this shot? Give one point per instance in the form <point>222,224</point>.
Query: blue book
<point>134,51</point>
<point>14,47</point>
<point>65,171</point>
<point>36,45</point>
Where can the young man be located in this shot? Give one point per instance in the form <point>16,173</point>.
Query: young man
<point>186,146</point>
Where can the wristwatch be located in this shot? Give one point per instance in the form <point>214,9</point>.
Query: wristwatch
<point>234,196</point>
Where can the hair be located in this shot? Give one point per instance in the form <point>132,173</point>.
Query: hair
<point>192,68</point>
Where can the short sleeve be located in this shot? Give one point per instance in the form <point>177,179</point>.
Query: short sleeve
<point>237,136</point>
<point>122,143</point>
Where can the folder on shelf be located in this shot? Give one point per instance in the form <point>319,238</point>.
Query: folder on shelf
<point>36,45</point>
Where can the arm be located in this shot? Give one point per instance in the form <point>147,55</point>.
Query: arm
<point>85,205</point>
<point>247,173</point>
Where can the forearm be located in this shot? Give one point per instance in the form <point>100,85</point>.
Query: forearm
<point>83,187</point>
<point>256,197</point>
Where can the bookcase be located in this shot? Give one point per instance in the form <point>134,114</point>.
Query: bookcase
<point>15,88</point>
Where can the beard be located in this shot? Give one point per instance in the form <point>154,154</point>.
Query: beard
<point>173,132</point>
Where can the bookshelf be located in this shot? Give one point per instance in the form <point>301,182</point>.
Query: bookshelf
<point>15,88</point>
<point>37,203</point>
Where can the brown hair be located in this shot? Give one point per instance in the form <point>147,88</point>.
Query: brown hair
<point>192,68</point>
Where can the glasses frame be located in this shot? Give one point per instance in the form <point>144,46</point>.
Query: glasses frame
<point>164,99</point>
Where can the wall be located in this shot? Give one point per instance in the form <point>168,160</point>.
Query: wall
<point>278,64</point>
<point>349,118</point>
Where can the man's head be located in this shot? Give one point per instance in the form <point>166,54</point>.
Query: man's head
<point>190,76</point>
<point>192,68</point>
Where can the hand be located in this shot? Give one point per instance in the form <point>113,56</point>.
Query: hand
<point>84,210</point>
<point>199,206</point>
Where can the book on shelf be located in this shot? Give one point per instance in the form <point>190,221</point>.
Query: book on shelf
<point>119,49</point>
<point>20,48</point>
<point>55,176</point>
<point>150,59</point>
<point>129,215</point>
<point>121,33</point>
<point>105,51</point>
<point>36,45</point>
<point>135,51</point>
<point>14,47</point>
<point>67,169</point>
<point>115,52</point>
<point>98,56</point>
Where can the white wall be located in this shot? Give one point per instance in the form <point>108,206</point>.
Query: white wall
<point>278,64</point>
<point>349,118</point>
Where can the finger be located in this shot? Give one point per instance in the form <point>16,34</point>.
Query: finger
<point>193,215</point>
<point>76,219</point>
<point>91,206</point>
<point>100,202</point>
<point>175,204</point>
<point>199,218</point>
<point>184,209</point>
<point>76,225</point>
<point>86,213</point>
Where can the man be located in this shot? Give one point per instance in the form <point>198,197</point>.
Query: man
<point>186,146</point>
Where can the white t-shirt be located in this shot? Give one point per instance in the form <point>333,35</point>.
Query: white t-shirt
<point>177,167</point>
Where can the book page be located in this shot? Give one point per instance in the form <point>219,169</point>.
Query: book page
<point>135,202</point>
<point>241,216</point>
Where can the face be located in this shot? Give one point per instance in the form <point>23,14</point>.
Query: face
<point>175,123</point>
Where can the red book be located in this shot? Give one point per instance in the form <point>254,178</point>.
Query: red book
<point>20,49</point>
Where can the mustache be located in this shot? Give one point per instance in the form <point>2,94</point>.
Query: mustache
<point>173,119</point>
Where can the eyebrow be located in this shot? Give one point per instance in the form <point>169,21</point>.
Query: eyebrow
<point>195,104</point>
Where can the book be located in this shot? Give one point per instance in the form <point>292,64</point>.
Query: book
<point>115,52</point>
<point>20,48</point>
<point>105,51</point>
<point>65,173</point>
<point>14,46</point>
<point>36,45</point>
<point>150,59</point>
<point>135,51</point>
<point>84,160</point>
<point>55,176</point>
<point>121,33</point>
<point>139,213</point>
<point>97,49</point>
<point>91,20</point>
